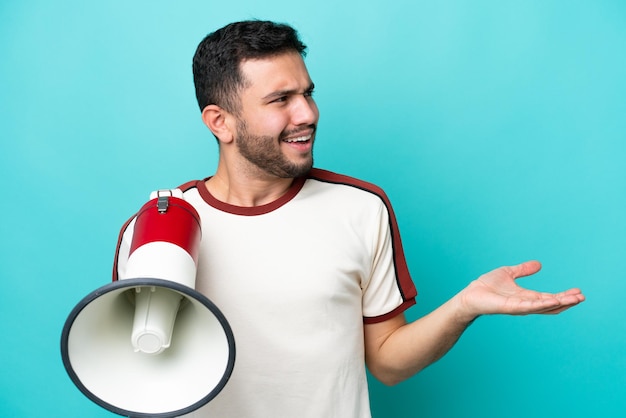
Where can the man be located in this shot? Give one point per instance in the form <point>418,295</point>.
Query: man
<point>307,265</point>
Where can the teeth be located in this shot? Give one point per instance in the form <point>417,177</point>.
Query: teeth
<point>299,139</point>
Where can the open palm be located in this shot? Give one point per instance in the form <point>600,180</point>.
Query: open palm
<point>497,292</point>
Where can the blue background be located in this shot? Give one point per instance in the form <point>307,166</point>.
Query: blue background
<point>496,127</point>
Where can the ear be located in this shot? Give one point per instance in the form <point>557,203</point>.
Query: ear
<point>218,121</point>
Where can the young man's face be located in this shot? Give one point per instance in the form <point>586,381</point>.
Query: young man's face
<point>278,118</point>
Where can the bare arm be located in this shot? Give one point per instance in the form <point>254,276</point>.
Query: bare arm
<point>396,350</point>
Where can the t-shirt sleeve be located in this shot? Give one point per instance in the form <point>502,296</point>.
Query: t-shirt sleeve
<point>122,250</point>
<point>389,290</point>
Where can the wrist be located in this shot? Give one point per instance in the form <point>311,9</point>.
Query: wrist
<point>463,314</point>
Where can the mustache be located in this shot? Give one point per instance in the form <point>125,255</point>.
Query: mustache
<point>312,128</point>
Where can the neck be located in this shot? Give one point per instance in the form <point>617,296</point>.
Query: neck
<point>246,191</point>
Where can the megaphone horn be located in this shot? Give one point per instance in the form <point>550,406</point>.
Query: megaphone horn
<point>149,345</point>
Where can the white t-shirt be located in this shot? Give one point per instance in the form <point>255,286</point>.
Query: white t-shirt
<point>297,279</point>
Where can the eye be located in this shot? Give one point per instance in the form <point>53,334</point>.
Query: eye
<point>308,93</point>
<point>280,99</point>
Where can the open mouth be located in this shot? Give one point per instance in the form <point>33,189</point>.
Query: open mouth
<point>299,139</point>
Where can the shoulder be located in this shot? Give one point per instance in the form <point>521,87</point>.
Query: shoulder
<point>336,178</point>
<point>357,185</point>
<point>190,185</point>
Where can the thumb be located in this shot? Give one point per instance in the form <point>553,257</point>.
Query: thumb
<point>525,269</point>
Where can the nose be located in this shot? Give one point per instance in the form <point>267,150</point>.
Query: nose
<point>304,111</point>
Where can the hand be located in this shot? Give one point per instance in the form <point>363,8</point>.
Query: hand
<point>497,293</point>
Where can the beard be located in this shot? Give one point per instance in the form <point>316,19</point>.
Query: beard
<point>263,152</point>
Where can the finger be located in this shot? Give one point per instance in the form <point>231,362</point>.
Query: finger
<point>559,309</point>
<point>563,302</point>
<point>571,295</point>
<point>525,269</point>
<point>575,291</point>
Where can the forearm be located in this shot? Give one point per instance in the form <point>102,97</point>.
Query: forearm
<point>404,351</point>
<point>395,350</point>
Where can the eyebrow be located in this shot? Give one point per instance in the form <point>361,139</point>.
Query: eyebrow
<point>281,93</point>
